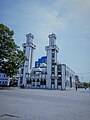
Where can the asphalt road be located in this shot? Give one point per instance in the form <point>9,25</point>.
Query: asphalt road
<point>37,104</point>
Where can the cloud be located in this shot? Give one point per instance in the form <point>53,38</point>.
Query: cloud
<point>41,19</point>
<point>68,19</point>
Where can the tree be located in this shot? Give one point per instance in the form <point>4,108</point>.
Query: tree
<point>11,57</point>
<point>85,84</point>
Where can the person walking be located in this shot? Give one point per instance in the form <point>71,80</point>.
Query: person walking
<point>89,85</point>
<point>76,86</point>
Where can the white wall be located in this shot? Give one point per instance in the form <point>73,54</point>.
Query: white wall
<point>49,56</point>
<point>63,77</point>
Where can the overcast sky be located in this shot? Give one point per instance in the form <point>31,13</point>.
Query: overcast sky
<point>68,19</point>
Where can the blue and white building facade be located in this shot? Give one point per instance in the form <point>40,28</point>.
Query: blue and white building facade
<point>28,49</point>
<point>52,51</point>
<point>47,72</point>
<point>67,77</point>
<point>3,79</point>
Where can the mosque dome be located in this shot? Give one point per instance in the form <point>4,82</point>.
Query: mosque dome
<point>36,70</point>
<point>43,65</point>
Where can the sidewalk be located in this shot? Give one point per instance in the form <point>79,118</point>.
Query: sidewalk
<point>33,104</point>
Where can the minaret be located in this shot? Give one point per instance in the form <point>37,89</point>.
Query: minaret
<point>28,48</point>
<point>52,50</point>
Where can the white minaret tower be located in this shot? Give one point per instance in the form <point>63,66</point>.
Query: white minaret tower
<point>28,48</point>
<point>52,50</point>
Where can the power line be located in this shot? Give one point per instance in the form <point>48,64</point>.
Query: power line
<point>84,73</point>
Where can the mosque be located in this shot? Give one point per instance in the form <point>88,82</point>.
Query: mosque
<point>47,73</point>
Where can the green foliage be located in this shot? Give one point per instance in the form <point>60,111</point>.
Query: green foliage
<point>86,84</point>
<point>10,56</point>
